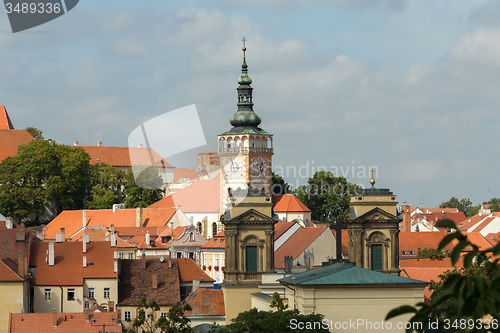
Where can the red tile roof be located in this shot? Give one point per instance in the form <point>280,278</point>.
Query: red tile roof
<point>281,227</point>
<point>438,216</point>
<point>424,274</point>
<point>99,235</point>
<point>439,210</point>
<point>288,203</point>
<point>475,238</point>
<point>135,231</point>
<point>202,196</point>
<point>185,173</point>
<point>125,157</point>
<point>428,262</point>
<point>66,322</point>
<point>68,263</point>
<point>215,243</point>
<point>412,241</point>
<point>206,302</point>
<point>136,282</point>
<point>5,122</point>
<point>345,240</point>
<point>10,139</point>
<point>72,220</point>
<point>11,250</point>
<point>296,244</point>
<point>470,222</point>
<point>189,271</point>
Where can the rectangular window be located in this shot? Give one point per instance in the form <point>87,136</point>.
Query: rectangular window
<point>216,262</point>
<point>376,257</point>
<point>106,293</point>
<point>87,304</point>
<point>205,261</point>
<point>122,255</point>
<point>210,261</point>
<point>131,255</point>
<point>179,254</point>
<point>47,293</point>
<point>127,316</point>
<point>163,314</point>
<point>71,294</point>
<point>91,293</point>
<point>223,261</point>
<point>251,258</point>
<point>191,255</point>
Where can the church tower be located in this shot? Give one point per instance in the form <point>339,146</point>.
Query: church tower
<point>373,230</point>
<point>245,153</point>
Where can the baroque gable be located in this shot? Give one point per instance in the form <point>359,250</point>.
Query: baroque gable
<point>251,216</point>
<point>377,215</point>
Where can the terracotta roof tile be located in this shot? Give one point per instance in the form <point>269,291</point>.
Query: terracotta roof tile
<point>66,322</point>
<point>72,220</point>
<point>99,235</point>
<point>288,203</point>
<point>189,271</point>
<point>199,197</point>
<point>134,231</point>
<point>345,240</point>
<point>280,228</point>
<point>215,243</point>
<point>125,157</point>
<point>8,271</point>
<point>136,282</point>
<point>10,139</point>
<point>476,238</point>
<point>5,122</point>
<point>439,210</point>
<point>296,244</point>
<point>68,263</point>
<point>185,173</point>
<point>12,249</point>
<point>424,274</point>
<point>206,302</point>
<point>412,241</point>
<point>470,222</point>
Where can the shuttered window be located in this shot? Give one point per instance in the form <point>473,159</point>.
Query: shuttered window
<point>377,257</point>
<point>251,258</point>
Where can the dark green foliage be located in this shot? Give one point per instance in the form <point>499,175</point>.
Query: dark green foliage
<point>463,204</point>
<point>279,185</point>
<point>43,175</point>
<point>430,253</point>
<point>466,295</point>
<point>106,186</point>
<point>326,196</point>
<point>143,191</point>
<point>148,319</point>
<point>253,320</point>
<point>34,132</point>
<point>494,204</point>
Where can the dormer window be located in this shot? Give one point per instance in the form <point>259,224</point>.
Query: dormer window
<point>191,237</point>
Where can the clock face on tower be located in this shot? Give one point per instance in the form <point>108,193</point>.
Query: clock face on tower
<point>234,167</point>
<point>259,167</point>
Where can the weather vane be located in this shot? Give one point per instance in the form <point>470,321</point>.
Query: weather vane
<point>244,45</point>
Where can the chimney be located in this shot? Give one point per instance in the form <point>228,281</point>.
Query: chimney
<point>99,143</point>
<point>21,265</point>
<point>113,240</point>
<point>84,261</point>
<point>86,313</point>
<point>406,218</point>
<point>51,253</point>
<point>119,316</point>
<point>143,260</point>
<point>111,306</point>
<point>84,243</point>
<point>196,284</point>
<point>63,234</point>
<point>20,235</point>
<point>58,238</point>
<point>9,223</point>
<point>154,280</point>
<point>84,216</point>
<point>138,217</point>
<point>75,143</point>
<point>112,228</point>
<point>148,238</point>
<point>54,318</point>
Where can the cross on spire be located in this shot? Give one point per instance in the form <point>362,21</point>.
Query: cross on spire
<point>244,46</point>
<point>372,181</point>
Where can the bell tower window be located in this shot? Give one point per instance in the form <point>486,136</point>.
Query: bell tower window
<point>251,258</point>
<point>376,257</point>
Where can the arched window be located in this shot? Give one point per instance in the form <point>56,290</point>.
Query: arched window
<point>199,227</point>
<point>191,237</point>
<point>251,258</point>
<point>214,229</point>
<point>222,143</point>
<point>269,143</point>
<point>376,258</point>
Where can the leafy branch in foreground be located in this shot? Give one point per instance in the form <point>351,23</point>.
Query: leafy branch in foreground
<point>466,298</point>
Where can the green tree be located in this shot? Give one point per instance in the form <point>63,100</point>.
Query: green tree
<point>106,186</point>
<point>462,205</point>
<point>430,253</point>
<point>43,176</point>
<point>144,190</point>
<point>147,321</point>
<point>472,210</point>
<point>326,196</point>
<point>281,320</point>
<point>280,186</point>
<point>494,204</point>
<point>465,296</point>
<point>35,132</point>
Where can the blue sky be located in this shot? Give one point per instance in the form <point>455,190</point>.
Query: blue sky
<point>410,87</point>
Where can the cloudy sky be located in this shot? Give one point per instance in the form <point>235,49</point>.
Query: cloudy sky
<point>410,87</point>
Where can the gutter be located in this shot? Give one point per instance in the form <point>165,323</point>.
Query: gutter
<point>62,297</point>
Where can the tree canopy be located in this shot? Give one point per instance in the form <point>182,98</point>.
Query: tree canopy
<point>280,186</point>
<point>464,298</point>
<point>35,132</point>
<point>326,196</point>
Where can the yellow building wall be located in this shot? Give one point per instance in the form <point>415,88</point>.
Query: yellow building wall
<point>363,204</point>
<point>43,305</point>
<point>99,285</point>
<point>214,255</point>
<point>362,305</point>
<point>13,296</point>
<point>238,299</point>
<point>133,313</point>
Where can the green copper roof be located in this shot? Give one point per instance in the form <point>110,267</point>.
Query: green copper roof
<point>245,120</point>
<point>346,274</point>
